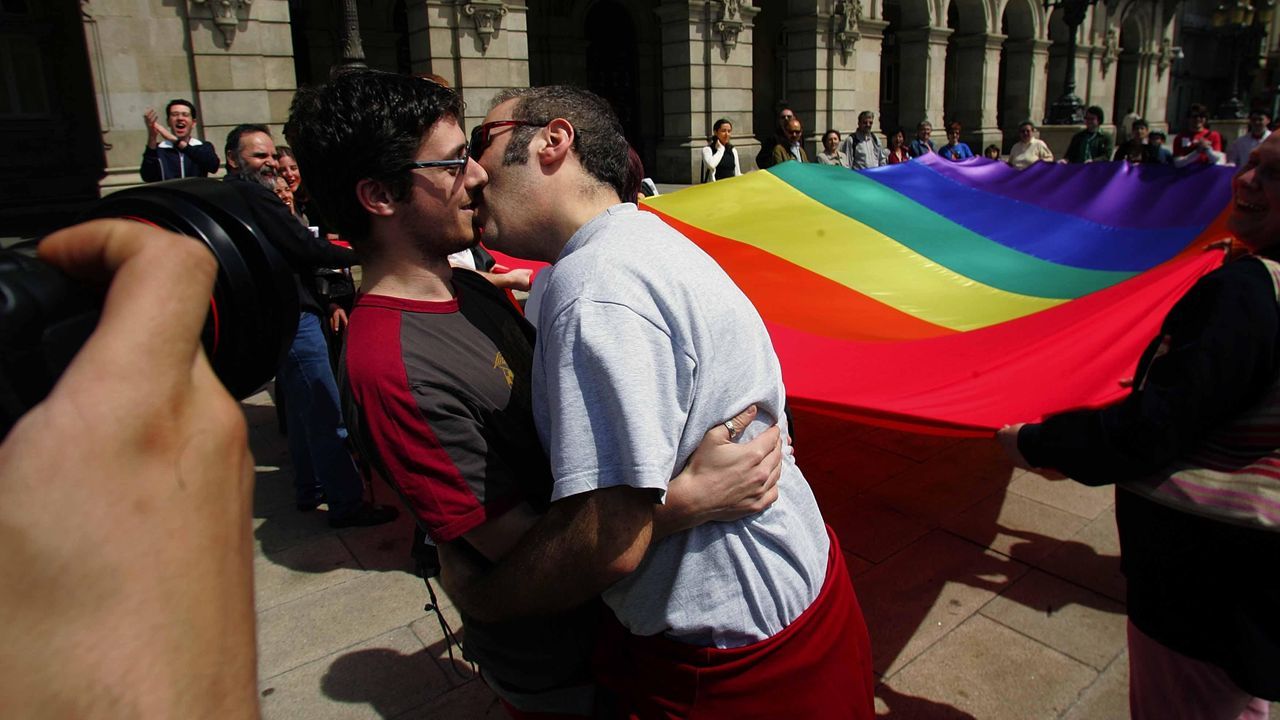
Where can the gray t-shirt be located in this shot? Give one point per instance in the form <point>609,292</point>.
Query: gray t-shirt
<point>643,344</point>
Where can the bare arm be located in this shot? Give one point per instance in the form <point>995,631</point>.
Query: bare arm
<point>583,544</point>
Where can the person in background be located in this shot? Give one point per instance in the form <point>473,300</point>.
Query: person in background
<point>1192,451</point>
<point>793,149</point>
<point>1162,154</point>
<point>862,147</point>
<point>175,152</point>
<point>991,152</point>
<point>1238,153</point>
<point>720,157</point>
<point>324,470</point>
<point>765,158</point>
<point>1138,148</point>
<point>923,144</point>
<point>954,149</point>
<point>1090,144</point>
<point>1198,144</point>
<point>831,154</point>
<point>898,152</point>
<point>1029,149</point>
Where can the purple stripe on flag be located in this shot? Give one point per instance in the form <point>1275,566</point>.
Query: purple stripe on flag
<point>1116,194</point>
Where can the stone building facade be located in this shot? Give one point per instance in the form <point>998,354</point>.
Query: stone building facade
<point>78,74</point>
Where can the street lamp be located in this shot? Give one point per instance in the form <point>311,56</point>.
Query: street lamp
<point>1068,109</point>
<point>1240,22</point>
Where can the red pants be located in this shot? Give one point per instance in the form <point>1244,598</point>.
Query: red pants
<point>819,666</point>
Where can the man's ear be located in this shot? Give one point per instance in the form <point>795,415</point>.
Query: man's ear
<point>557,141</point>
<point>375,197</point>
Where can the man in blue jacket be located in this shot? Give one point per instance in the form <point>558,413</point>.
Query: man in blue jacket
<point>175,152</point>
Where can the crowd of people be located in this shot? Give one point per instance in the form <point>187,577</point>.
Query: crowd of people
<point>863,149</point>
<point>605,564</point>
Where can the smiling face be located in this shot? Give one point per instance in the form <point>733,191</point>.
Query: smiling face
<point>1092,122</point>
<point>181,121</point>
<point>441,207</point>
<point>1255,195</point>
<point>953,135</point>
<point>830,141</point>
<point>923,132</point>
<point>287,167</point>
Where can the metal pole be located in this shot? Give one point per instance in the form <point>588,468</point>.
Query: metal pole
<point>352,49</point>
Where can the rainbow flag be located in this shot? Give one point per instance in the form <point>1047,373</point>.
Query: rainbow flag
<point>957,297</point>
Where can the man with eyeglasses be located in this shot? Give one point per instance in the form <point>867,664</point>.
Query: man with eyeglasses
<point>643,340</point>
<point>323,469</point>
<point>792,149</point>
<point>436,371</point>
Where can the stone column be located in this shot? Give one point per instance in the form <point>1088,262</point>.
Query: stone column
<point>1023,84</point>
<point>923,76</point>
<point>479,47</point>
<point>832,73</point>
<point>706,74</point>
<point>1039,88</point>
<point>978,64</point>
<point>243,72</point>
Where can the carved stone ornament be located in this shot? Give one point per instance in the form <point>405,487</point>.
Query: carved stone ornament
<point>486,14</point>
<point>729,24</point>
<point>1164,57</point>
<point>844,26</point>
<point>225,15</point>
<point>1110,48</point>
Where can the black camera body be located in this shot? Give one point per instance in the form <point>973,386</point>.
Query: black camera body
<point>45,316</point>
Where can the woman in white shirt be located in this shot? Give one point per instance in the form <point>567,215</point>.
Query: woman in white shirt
<point>1029,149</point>
<point>720,157</point>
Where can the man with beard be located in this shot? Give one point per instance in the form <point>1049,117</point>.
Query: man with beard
<point>324,470</point>
<point>179,154</point>
<point>437,364</point>
<point>643,342</point>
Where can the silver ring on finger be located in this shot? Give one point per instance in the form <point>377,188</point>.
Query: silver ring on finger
<point>732,427</point>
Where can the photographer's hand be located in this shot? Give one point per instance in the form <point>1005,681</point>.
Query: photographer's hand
<point>125,504</point>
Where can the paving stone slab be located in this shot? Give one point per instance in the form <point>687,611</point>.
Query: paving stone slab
<point>472,701</point>
<point>919,595</point>
<point>1077,622</point>
<point>957,479</point>
<point>324,622</point>
<point>1015,526</point>
<point>1108,696</point>
<point>380,678</point>
<point>289,574</point>
<point>1091,558</point>
<point>871,529</point>
<point>991,672</point>
<point>1069,495</point>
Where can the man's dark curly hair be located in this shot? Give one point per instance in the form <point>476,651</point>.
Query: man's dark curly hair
<point>598,139</point>
<point>362,124</point>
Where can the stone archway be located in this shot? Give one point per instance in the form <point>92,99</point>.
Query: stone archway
<point>611,47</point>
<point>1128,95</point>
<point>972,72</point>
<point>1021,69</point>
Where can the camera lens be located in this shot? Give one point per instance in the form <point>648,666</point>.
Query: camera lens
<point>253,313</point>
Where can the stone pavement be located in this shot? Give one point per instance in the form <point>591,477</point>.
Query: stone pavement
<point>989,592</point>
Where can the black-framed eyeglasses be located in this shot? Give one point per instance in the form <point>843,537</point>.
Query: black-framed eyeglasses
<point>483,134</point>
<point>458,162</point>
